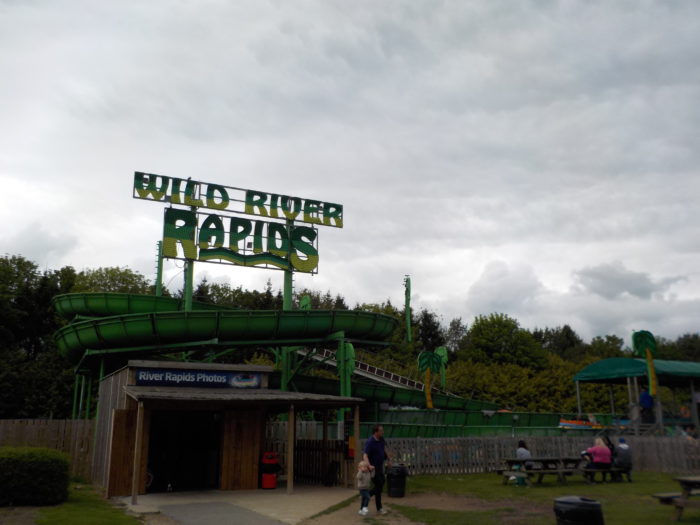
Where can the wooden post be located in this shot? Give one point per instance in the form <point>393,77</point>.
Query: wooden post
<point>324,450</point>
<point>137,455</point>
<point>612,403</point>
<point>629,397</point>
<point>693,404</point>
<point>356,433</point>
<point>578,398</point>
<point>635,383</point>
<point>291,427</point>
<point>659,408</point>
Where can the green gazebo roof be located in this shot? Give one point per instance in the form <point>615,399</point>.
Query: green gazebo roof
<point>618,369</point>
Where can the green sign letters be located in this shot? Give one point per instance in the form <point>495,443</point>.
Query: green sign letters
<point>229,238</point>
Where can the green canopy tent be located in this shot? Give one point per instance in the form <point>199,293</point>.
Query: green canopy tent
<point>621,370</point>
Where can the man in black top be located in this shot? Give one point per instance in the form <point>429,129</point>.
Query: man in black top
<point>375,454</point>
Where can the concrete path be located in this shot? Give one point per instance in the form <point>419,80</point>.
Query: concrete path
<point>222,513</point>
<point>275,506</point>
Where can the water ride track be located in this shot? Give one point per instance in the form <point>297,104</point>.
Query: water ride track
<point>121,321</point>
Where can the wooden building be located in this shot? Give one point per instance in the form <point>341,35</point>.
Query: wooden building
<point>191,426</point>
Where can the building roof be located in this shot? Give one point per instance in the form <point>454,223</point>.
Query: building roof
<point>618,369</point>
<point>238,396</point>
<point>138,363</point>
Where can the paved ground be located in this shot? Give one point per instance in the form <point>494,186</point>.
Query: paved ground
<point>259,507</point>
<point>223,513</point>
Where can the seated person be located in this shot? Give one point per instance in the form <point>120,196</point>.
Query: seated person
<point>623,458</point>
<point>524,453</point>
<point>600,458</point>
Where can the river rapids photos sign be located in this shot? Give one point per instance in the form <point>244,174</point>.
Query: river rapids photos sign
<point>274,239</point>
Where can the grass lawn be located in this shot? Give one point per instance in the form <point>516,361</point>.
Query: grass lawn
<point>84,507</point>
<point>623,503</point>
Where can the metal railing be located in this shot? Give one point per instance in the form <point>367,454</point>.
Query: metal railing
<point>371,371</point>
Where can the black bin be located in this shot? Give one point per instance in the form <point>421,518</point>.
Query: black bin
<point>396,481</point>
<point>575,510</point>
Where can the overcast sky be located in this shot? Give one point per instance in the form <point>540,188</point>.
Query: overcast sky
<point>539,159</point>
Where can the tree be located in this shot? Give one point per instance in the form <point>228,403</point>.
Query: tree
<point>203,292</point>
<point>430,333</point>
<point>688,347</point>
<point>498,338</point>
<point>111,279</point>
<point>36,381</point>
<point>455,335</point>
<point>561,341</point>
<point>605,347</point>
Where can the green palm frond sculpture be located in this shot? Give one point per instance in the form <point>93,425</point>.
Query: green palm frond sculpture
<point>644,345</point>
<point>430,363</point>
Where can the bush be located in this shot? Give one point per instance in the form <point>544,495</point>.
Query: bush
<point>32,476</point>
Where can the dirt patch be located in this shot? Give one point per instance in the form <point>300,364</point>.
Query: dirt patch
<point>348,515</point>
<point>18,515</point>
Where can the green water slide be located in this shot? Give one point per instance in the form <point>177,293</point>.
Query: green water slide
<point>106,324</point>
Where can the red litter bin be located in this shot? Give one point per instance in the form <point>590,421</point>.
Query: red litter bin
<point>269,467</point>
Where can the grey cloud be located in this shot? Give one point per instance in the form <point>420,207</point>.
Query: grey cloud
<point>613,280</point>
<point>455,133</point>
<point>503,288</point>
<point>37,244</point>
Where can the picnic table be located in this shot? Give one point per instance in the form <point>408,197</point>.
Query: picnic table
<point>690,486</point>
<point>541,467</point>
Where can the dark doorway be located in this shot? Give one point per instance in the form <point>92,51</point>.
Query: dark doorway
<point>183,451</point>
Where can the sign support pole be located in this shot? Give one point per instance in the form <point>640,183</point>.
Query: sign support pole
<point>159,270</point>
<point>189,277</point>
<point>286,353</point>
<point>289,273</point>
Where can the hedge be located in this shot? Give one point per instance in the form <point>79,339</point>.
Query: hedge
<point>33,476</point>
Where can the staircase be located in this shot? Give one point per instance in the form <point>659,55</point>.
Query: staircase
<point>370,371</point>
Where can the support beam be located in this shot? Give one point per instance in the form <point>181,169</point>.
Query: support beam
<point>578,399</point>
<point>630,400</point>
<point>612,403</point>
<point>82,396</point>
<point>288,290</point>
<point>658,408</point>
<point>291,435</point>
<point>693,404</point>
<point>189,284</point>
<point>324,450</point>
<point>88,402</point>
<point>356,434</point>
<point>159,270</point>
<point>74,412</point>
<point>137,455</point>
<point>635,384</point>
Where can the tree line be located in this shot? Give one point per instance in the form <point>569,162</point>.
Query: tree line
<point>493,358</point>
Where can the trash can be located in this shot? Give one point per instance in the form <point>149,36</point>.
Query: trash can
<point>269,468</point>
<point>396,481</point>
<point>575,510</point>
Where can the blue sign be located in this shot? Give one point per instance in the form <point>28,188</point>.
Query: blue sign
<point>196,378</point>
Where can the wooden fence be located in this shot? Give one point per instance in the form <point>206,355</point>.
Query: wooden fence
<point>71,436</point>
<point>486,454</point>
<point>468,455</point>
<point>312,464</point>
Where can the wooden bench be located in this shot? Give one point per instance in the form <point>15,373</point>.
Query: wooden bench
<point>669,498</point>
<point>676,499</point>
<point>615,473</point>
